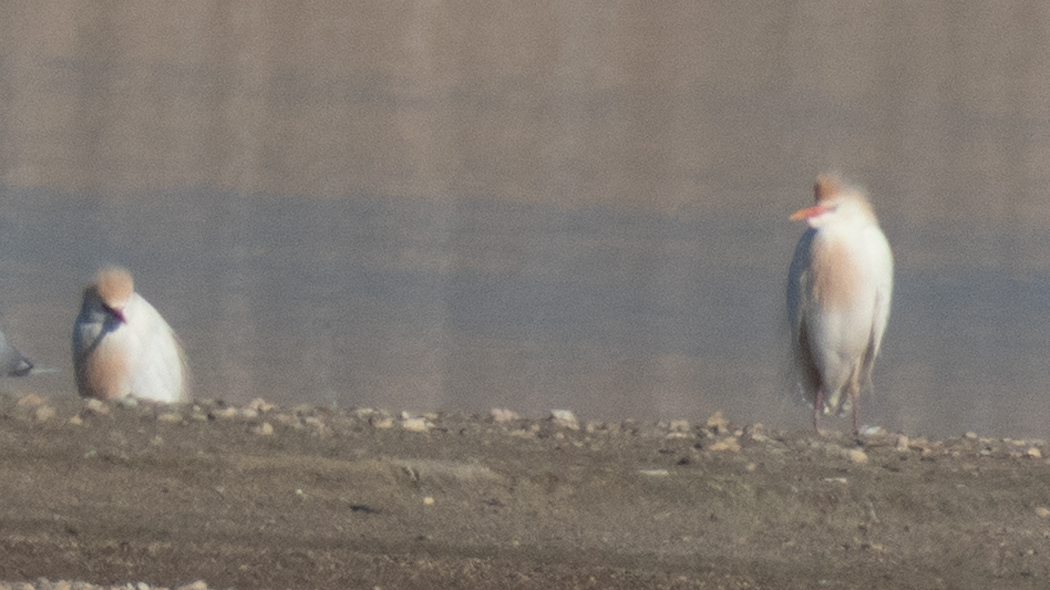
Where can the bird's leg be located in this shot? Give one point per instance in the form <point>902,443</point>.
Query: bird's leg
<point>856,431</point>
<point>854,396</point>
<point>818,405</point>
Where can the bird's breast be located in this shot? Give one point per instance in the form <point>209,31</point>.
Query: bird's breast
<point>105,370</point>
<point>836,276</point>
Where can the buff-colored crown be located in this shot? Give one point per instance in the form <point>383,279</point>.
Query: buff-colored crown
<point>114,286</point>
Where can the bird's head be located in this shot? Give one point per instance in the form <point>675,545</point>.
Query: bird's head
<point>114,287</point>
<point>836,202</point>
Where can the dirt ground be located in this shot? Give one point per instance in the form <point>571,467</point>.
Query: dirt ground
<point>267,497</point>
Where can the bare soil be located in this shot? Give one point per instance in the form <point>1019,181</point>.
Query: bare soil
<point>315,498</point>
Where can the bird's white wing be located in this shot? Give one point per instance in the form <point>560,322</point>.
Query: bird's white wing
<point>158,371</point>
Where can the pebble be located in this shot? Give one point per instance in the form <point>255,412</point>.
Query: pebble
<point>503,415</point>
<point>679,426</point>
<point>729,444</point>
<point>260,405</point>
<point>44,413</point>
<point>94,406</point>
<point>30,400</point>
<point>858,456</point>
<point>416,425</point>
<point>170,418</point>
<point>1034,453</point>
<point>718,423</point>
<point>264,429</point>
<point>287,420</point>
<point>565,419</point>
<point>224,413</point>
<point>314,422</point>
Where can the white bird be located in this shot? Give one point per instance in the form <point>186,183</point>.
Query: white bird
<point>839,290</point>
<point>123,347</point>
<point>12,363</point>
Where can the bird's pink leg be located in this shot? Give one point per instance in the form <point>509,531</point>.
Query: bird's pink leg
<point>854,396</point>
<point>818,405</point>
<point>855,399</point>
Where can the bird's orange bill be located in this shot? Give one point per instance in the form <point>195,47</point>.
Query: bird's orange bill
<point>808,212</point>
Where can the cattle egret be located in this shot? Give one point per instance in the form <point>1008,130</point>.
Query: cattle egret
<point>839,290</point>
<point>123,347</point>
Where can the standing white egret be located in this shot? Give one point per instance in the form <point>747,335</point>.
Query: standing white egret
<point>839,290</point>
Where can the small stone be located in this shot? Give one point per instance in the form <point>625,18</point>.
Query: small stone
<point>76,420</point>
<point>718,423</point>
<point>224,413</point>
<point>260,405</point>
<point>44,413</point>
<point>679,426</point>
<point>1034,453</point>
<point>971,435</point>
<point>565,419</point>
<point>95,406</point>
<point>729,444</point>
<point>287,420</point>
<point>428,501</point>
<point>902,443</point>
<point>416,425</point>
<point>503,415</point>
<point>128,402</point>
<point>170,418</point>
<point>247,413</point>
<point>858,456</point>
<point>1042,512</point>
<point>382,422</point>
<point>30,400</point>
<point>198,585</point>
<point>834,450</point>
<point>264,429</point>
<point>919,444</point>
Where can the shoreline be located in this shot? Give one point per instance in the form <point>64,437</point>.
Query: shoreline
<point>263,496</point>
